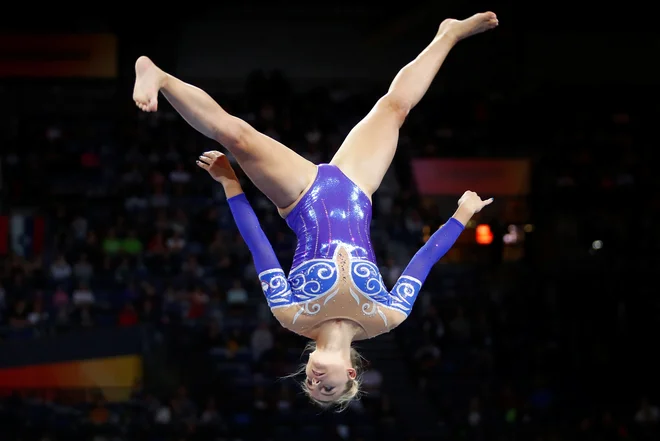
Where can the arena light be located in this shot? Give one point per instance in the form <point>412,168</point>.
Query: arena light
<point>483,234</point>
<point>512,236</point>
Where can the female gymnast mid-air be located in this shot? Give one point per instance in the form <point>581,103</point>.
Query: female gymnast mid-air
<point>334,293</point>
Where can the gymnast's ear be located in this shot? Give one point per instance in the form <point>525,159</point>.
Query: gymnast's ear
<point>352,374</point>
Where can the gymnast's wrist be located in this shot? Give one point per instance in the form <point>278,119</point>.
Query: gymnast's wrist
<point>464,214</point>
<point>232,187</point>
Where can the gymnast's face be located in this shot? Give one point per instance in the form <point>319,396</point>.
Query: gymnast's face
<point>327,374</point>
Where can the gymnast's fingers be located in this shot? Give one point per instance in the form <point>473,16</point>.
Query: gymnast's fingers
<point>213,154</point>
<point>205,159</point>
<point>203,165</point>
<point>488,202</point>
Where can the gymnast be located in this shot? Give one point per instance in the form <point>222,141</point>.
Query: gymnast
<point>334,293</point>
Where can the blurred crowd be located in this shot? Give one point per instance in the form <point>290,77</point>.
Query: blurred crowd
<point>135,235</point>
<point>265,411</point>
<point>556,346</point>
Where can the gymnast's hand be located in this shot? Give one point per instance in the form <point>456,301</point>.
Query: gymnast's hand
<point>472,202</point>
<point>218,166</point>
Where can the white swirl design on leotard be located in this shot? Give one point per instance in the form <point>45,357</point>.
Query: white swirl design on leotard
<point>276,288</point>
<point>312,279</point>
<point>405,293</point>
<point>369,308</point>
<point>314,283</point>
<point>367,277</point>
<point>370,289</point>
<point>369,282</point>
<point>307,285</point>
<point>312,307</point>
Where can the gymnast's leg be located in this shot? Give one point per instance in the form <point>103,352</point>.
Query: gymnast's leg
<point>280,173</point>
<point>369,148</point>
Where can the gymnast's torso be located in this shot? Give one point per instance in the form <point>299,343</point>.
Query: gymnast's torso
<point>334,273</point>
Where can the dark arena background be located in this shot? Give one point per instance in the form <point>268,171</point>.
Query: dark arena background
<point>129,306</point>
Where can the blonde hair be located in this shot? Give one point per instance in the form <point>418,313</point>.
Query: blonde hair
<point>351,391</point>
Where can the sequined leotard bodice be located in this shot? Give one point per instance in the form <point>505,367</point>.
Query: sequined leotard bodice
<point>334,273</point>
<point>334,213</point>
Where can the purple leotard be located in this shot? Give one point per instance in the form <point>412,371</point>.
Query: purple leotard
<point>334,212</point>
<point>335,215</point>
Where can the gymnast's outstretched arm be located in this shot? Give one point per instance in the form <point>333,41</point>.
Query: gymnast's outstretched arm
<point>409,284</point>
<point>273,280</point>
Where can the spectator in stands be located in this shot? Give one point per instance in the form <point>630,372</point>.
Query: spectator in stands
<point>191,269</point>
<point>186,405</point>
<point>214,338</point>
<point>18,317</point>
<point>460,326</point>
<point>83,270</point>
<point>176,243</point>
<point>391,271</point>
<point>83,296</point>
<point>38,315</point>
<point>149,313</point>
<point>111,244</point>
<point>157,245</point>
<point>123,272</point>
<point>284,402</point>
<point>80,228</point>
<point>128,316</point>
<point>647,414</point>
<point>60,270</point>
<point>163,414</point>
<point>131,244</point>
<point>372,381</point>
<point>158,198</point>
<point>99,414</point>
<point>261,341</point>
<point>210,416</point>
<point>432,325</point>
<point>427,358</point>
<point>61,307</point>
<point>237,295</point>
<point>180,175</point>
<point>474,413</point>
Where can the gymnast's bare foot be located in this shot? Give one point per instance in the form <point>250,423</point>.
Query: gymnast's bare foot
<point>148,81</point>
<point>460,29</point>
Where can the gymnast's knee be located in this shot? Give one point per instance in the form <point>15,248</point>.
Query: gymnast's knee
<point>233,133</point>
<point>394,105</point>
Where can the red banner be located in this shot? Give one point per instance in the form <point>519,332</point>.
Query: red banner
<point>114,375</point>
<point>59,56</point>
<point>488,177</point>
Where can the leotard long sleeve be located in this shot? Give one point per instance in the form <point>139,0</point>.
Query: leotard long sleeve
<point>277,289</point>
<point>334,274</point>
